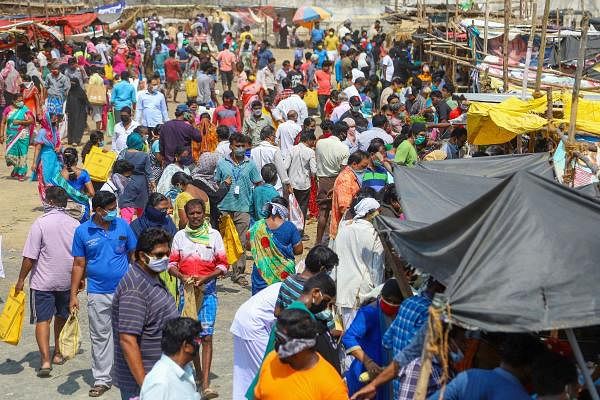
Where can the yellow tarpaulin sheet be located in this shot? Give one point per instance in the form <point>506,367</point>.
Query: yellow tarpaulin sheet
<point>489,123</point>
<point>499,123</point>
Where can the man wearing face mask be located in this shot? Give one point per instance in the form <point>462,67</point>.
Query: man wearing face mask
<point>57,86</point>
<point>379,130</point>
<point>345,188</point>
<point>254,124</point>
<point>123,129</point>
<point>142,305</point>
<point>318,293</point>
<point>267,152</point>
<point>356,88</point>
<point>172,377</point>
<point>266,77</point>
<point>362,124</point>
<point>151,110</point>
<point>177,133</point>
<point>101,249</point>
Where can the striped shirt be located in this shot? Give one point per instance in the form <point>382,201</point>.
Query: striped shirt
<point>141,307</point>
<point>375,178</point>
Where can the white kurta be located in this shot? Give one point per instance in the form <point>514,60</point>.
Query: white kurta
<point>361,266</point>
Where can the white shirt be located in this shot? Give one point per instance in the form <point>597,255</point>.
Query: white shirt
<point>42,59</point>
<point>360,268</point>
<point>339,111</point>
<point>168,381</point>
<point>102,49</point>
<point>266,153</point>
<point>389,64</point>
<point>294,102</point>
<point>180,38</point>
<point>300,164</point>
<point>364,138</point>
<point>254,319</point>
<point>351,91</point>
<point>331,155</point>
<point>223,148</point>
<point>343,31</point>
<point>119,142</point>
<point>266,78</point>
<point>286,133</point>
<point>357,73</point>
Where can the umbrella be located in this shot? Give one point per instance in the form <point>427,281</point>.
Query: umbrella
<point>306,15</point>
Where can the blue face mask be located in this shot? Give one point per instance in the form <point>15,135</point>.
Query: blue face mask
<point>101,144</point>
<point>110,215</point>
<point>456,356</point>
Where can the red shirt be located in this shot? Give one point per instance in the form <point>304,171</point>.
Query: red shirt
<point>329,106</point>
<point>172,70</point>
<point>324,81</point>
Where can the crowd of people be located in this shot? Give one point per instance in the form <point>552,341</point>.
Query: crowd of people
<point>242,170</point>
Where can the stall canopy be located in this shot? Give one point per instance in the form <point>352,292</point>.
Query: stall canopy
<point>520,258</point>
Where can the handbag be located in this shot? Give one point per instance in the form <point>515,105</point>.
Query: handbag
<point>296,216</point>
<point>96,94</point>
<point>311,99</point>
<point>231,239</point>
<point>69,338</point>
<point>11,319</point>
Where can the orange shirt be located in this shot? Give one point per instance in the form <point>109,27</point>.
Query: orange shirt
<point>321,382</point>
<point>344,189</point>
<point>226,60</point>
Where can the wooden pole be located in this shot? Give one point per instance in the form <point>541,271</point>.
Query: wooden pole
<point>486,26</point>
<point>529,50</point>
<point>507,11</point>
<point>585,25</point>
<point>448,22</point>
<point>542,54</point>
<point>558,36</point>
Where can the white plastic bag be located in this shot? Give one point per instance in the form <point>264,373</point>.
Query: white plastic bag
<point>296,216</point>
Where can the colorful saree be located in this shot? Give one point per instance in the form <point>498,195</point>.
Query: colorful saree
<point>272,265</point>
<point>17,139</point>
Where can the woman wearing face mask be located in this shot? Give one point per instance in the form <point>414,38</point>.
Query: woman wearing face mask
<point>360,250</point>
<point>362,339</point>
<point>16,129</point>
<point>135,195</point>
<point>186,191</point>
<point>183,163</point>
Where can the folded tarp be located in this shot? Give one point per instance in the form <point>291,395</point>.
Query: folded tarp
<point>495,166</point>
<point>523,257</point>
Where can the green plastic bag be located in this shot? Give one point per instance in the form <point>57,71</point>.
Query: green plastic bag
<point>110,123</point>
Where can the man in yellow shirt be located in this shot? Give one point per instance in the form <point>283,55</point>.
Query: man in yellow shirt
<point>331,42</point>
<point>246,34</point>
<point>295,367</point>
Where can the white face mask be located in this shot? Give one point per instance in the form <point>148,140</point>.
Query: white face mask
<point>158,264</point>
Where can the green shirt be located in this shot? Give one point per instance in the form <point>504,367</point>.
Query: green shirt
<point>406,154</point>
<point>244,176</point>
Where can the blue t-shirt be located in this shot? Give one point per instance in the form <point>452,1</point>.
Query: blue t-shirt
<point>322,54</point>
<point>339,75</point>
<point>316,35</point>
<point>287,236</point>
<point>123,95</point>
<point>81,180</point>
<point>106,253</point>
<point>244,176</point>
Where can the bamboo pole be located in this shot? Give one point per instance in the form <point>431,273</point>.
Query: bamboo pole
<point>585,25</point>
<point>558,36</point>
<point>507,11</point>
<point>529,50</point>
<point>542,54</point>
<point>486,26</point>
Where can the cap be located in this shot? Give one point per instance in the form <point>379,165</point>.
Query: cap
<point>228,94</point>
<point>355,101</point>
<point>182,108</point>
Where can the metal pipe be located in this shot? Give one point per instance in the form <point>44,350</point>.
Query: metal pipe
<point>584,370</point>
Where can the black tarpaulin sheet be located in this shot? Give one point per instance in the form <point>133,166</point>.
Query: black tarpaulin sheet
<point>522,257</point>
<point>428,196</point>
<point>494,166</point>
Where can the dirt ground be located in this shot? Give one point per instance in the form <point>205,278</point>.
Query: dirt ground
<point>18,364</point>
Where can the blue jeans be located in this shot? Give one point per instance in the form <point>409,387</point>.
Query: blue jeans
<point>129,394</point>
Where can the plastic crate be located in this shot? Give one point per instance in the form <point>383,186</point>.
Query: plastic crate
<point>99,164</point>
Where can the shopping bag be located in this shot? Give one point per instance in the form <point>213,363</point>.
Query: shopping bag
<point>96,94</point>
<point>11,319</point>
<point>296,216</point>
<point>69,338</point>
<point>231,239</point>
<point>110,124</point>
<point>191,88</point>
<point>311,99</point>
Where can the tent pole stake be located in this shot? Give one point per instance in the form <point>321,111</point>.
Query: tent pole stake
<point>579,357</point>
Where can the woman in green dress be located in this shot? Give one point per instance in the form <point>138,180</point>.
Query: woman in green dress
<point>16,128</point>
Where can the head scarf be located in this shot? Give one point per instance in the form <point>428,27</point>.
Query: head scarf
<point>288,347</point>
<point>135,141</point>
<point>11,77</point>
<point>365,206</point>
<point>278,209</point>
<point>205,169</point>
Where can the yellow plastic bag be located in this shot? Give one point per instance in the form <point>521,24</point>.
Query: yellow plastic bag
<point>11,319</point>
<point>311,99</point>
<point>69,338</point>
<point>191,88</point>
<point>231,240</point>
<point>108,72</point>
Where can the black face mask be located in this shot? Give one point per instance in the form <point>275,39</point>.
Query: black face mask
<point>186,160</point>
<point>317,308</point>
<point>125,119</point>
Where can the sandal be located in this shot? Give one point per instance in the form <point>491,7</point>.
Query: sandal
<point>242,281</point>
<point>98,390</point>
<point>44,372</point>
<point>61,359</point>
<point>209,393</point>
